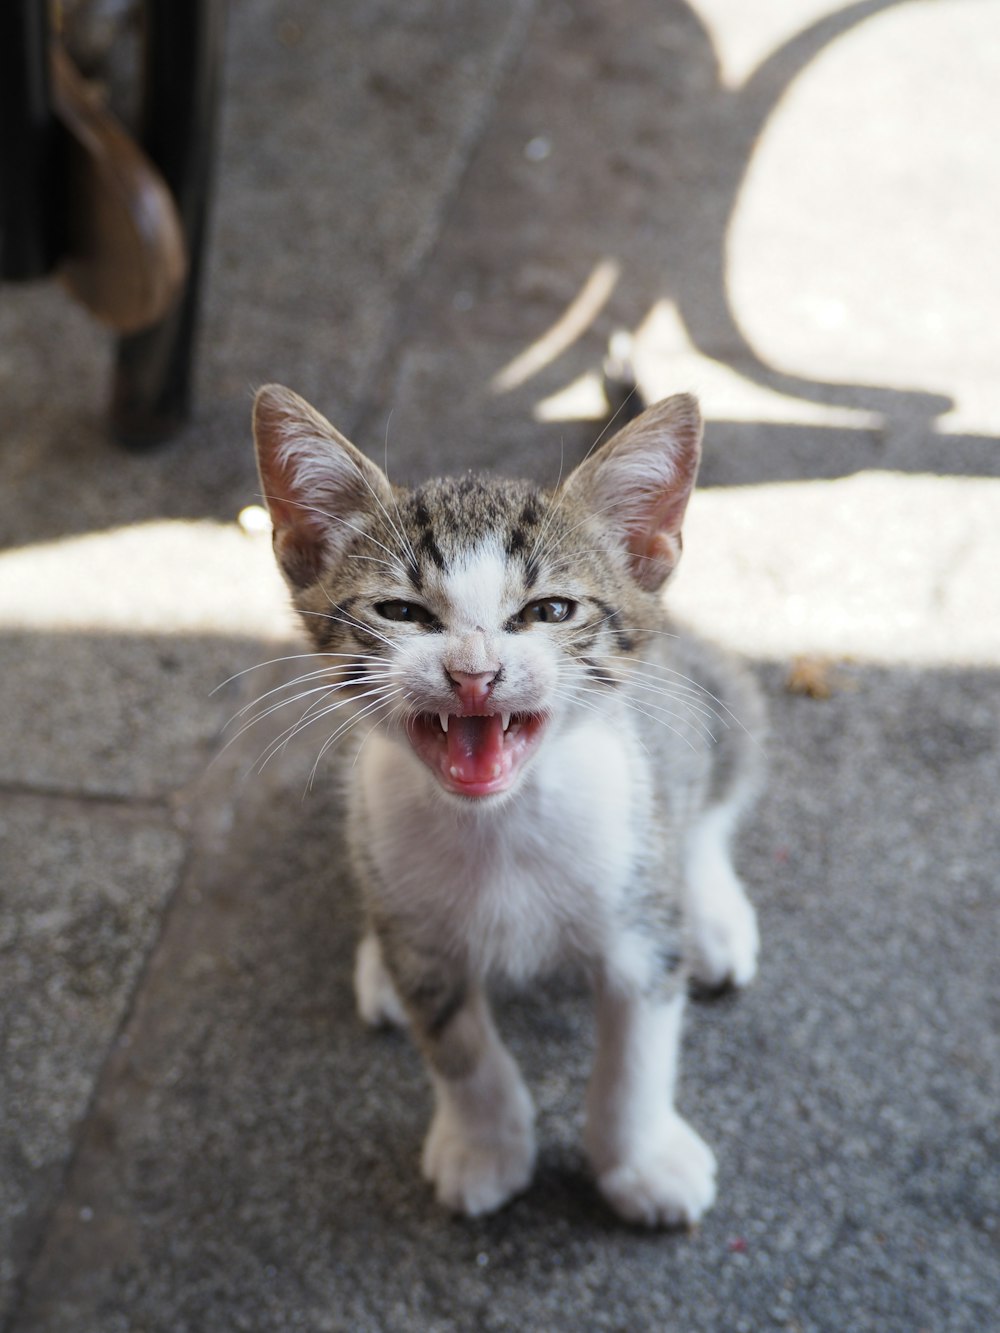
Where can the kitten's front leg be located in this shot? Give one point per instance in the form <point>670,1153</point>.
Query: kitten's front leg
<point>650,1164</point>
<point>480,1148</point>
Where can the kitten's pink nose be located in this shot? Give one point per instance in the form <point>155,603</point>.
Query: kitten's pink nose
<point>473,687</point>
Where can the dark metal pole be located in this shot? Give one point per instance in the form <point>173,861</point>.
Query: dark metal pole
<point>31,211</point>
<point>183,69</point>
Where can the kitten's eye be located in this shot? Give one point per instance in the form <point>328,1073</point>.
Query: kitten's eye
<point>411,612</point>
<point>546,611</point>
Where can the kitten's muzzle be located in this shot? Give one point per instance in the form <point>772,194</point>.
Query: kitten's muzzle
<point>473,689</point>
<point>475,752</point>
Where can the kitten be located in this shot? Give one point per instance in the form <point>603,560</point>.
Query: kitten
<point>550,772</point>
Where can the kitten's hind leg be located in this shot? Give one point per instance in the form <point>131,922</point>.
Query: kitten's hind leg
<point>721,922</point>
<point>651,1166</point>
<point>377,1001</point>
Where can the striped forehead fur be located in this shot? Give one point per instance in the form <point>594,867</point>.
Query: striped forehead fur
<point>480,583</point>
<point>458,513</point>
<point>424,539</point>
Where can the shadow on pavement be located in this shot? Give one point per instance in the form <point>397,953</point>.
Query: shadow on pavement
<point>252,1150</point>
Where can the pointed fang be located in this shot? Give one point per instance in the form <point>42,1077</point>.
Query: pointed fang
<point>505,719</point>
<point>443,719</point>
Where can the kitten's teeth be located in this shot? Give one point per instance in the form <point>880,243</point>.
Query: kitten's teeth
<point>443,719</point>
<point>505,719</point>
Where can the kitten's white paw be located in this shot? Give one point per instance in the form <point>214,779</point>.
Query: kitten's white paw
<point>477,1172</point>
<point>724,936</point>
<point>377,1001</point>
<point>671,1184</point>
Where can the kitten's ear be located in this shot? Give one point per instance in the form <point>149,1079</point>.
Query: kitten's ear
<point>640,483</point>
<point>316,484</point>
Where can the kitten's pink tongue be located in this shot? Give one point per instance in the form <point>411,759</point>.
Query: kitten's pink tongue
<point>475,748</point>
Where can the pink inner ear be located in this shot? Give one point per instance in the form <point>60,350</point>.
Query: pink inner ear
<point>656,545</point>
<point>300,551</point>
<point>292,512</point>
<point>300,529</point>
<point>654,556</point>
<point>314,481</point>
<point>287,502</point>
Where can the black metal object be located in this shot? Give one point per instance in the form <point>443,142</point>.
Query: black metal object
<point>181,84</point>
<point>31,204</point>
<point>182,78</point>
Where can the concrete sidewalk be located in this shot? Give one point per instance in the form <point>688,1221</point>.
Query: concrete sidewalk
<point>430,218</point>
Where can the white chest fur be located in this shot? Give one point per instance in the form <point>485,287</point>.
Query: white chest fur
<point>511,886</point>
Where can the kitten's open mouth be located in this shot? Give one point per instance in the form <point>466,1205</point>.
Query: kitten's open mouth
<point>475,755</point>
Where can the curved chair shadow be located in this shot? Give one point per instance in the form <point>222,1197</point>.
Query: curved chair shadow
<point>708,312</point>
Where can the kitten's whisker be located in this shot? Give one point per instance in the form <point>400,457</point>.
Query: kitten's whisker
<point>611,421</point>
<point>694,698</point>
<point>658,666</point>
<point>647,680</point>
<point>652,632</point>
<point>397,709</point>
<point>655,717</point>
<point>352,721</point>
<point>336,518</point>
<point>638,707</point>
<point>573,693</point>
<point>274,661</point>
<point>411,553</point>
<point>346,619</point>
<point>365,739</point>
<point>345,727</point>
<point>592,625</point>
<point>397,530</point>
<point>324,673</point>
<point>688,704</point>
<point>570,690</point>
<point>325,690</point>
<point>559,495</point>
<point>591,513</point>
<point>306,721</point>
<point>658,713</point>
<point>643,679</point>
<point>259,717</point>
<point>554,503</point>
<point>378,684</point>
<point>659,708</point>
<point>330,685</point>
<point>375,560</point>
<point>650,629</point>
<point>385,450</point>
<point>709,717</point>
<point>290,732</point>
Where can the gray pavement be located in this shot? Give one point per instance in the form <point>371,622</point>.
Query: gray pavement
<point>429,220</point>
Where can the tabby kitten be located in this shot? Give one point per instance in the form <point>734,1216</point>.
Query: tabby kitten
<point>549,771</point>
